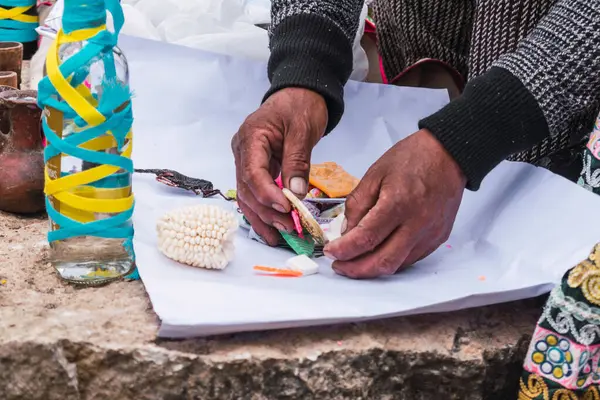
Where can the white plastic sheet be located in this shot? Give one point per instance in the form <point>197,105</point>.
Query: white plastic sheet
<point>220,26</point>
<point>521,231</point>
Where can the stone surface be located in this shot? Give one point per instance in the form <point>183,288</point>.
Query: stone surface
<point>59,342</point>
<point>62,343</point>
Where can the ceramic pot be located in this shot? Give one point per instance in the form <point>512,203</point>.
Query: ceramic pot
<point>11,58</point>
<point>21,158</point>
<point>8,78</point>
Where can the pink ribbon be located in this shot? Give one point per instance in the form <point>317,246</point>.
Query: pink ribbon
<point>295,215</point>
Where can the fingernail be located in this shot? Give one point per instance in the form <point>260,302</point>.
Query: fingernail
<point>344,225</point>
<point>279,207</point>
<point>279,227</point>
<point>329,255</point>
<point>298,186</point>
<point>337,271</point>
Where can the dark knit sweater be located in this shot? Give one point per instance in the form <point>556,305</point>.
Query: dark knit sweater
<point>549,86</point>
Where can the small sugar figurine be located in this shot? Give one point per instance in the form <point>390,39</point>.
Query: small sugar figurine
<point>302,264</point>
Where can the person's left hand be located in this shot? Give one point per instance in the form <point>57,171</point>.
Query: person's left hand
<point>401,211</point>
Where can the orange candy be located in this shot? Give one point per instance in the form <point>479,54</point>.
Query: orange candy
<point>277,271</point>
<point>332,179</point>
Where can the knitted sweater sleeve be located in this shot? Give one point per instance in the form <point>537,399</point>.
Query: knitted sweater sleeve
<point>550,85</point>
<point>311,47</point>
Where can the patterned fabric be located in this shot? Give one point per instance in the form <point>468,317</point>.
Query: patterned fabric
<point>563,360</point>
<point>590,175</point>
<point>473,35</point>
<point>411,30</point>
<point>563,89</point>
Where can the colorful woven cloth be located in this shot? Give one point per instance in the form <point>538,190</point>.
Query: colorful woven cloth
<point>563,360</point>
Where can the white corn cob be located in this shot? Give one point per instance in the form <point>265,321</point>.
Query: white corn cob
<point>199,235</point>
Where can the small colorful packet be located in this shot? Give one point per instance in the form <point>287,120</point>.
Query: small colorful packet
<point>315,193</point>
<point>311,217</point>
<point>334,211</point>
<point>301,245</point>
<point>291,242</point>
<point>326,209</point>
<point>312,208</point>
<point>309,223</point>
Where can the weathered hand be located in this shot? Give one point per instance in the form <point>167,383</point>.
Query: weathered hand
<point>401,211</point>
<point>278,137</point>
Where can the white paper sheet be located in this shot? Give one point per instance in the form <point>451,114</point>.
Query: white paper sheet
<point>221,26</point>
<point>521,231</point>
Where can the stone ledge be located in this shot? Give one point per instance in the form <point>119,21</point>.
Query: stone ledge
<point>67,370</point>
<point>58,342</point>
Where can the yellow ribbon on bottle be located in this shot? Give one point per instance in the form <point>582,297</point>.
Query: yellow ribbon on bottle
<point>78,200</point>
<point>18,14</point>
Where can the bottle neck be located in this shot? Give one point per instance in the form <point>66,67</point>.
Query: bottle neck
<point>83,14</point>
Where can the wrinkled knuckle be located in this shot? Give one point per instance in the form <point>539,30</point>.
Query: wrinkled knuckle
<point>392,196</point>
<point>247,175</point>
<point>420,189</point>
<point>299,126</point>
<point>387,265</point>
<point>351,199</point>
<point>252,119</point>
<point>242,193</point>
<point>261,196</point>
<point>245,141</point>
<point>257,192</point>
<point>352,203</point>
<point>367,241</point>
<point>249,132</point>
<point>251,176</point>
<point>298,161</point>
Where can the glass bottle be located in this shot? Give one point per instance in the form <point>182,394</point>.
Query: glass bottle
<point>89,260</point>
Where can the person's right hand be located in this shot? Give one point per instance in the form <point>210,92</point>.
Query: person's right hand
<point>277,138</point>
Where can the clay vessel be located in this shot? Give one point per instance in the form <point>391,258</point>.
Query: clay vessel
<point>11,58</point>
<point>8,78</point>
<point>21,158</point>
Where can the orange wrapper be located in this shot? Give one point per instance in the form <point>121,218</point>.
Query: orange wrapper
<point>332,179</point>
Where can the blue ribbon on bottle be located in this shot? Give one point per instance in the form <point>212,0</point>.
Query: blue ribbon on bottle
<point>13,30</point>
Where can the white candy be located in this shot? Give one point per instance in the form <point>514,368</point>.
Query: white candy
<point>199,235</point>
<point>335,228</point>
<point>302,264</point>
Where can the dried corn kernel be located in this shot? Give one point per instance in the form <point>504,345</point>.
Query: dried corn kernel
<point>199,235</point>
